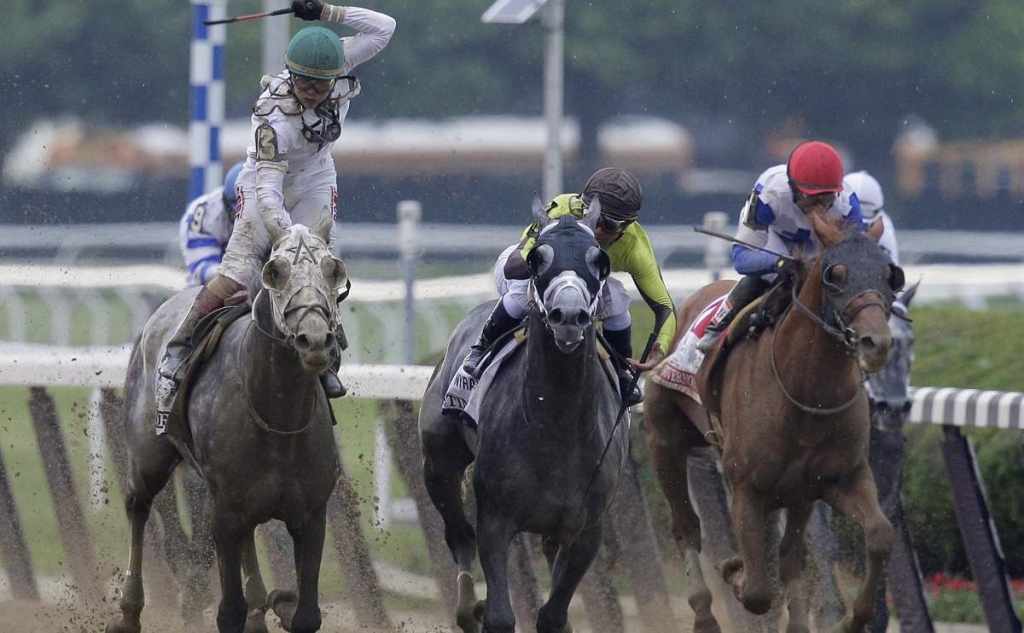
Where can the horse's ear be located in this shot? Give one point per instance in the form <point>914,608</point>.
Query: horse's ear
<point>875,231</point>
<point>599,263</point>
<point>828,234</point>
<point>334,272</point>
<point>539,259</point>
<point>593,212</point>
<point>908,295</point>
<point>897,278</point>
<point>540,213</point>
<point>276,233</point>
<point>323,228</point>
<point>276,273</point>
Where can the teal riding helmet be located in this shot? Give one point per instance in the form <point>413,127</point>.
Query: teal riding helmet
<point>315,52</point>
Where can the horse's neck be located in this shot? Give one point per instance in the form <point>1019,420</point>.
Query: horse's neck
<point>806,352</point>
<point>557,384</point>
<point>274,376</point>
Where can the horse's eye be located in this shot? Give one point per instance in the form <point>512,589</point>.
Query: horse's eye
<point>835,275</point>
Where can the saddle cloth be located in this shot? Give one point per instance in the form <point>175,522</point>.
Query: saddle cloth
<point>465,393</point>
<point>679,370</point>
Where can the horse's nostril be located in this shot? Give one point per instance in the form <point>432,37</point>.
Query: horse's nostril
<point>329,340</point>
<point>867,342</point>
<point>556,317</point>
<point>302,342</point>
<point>583,319</point>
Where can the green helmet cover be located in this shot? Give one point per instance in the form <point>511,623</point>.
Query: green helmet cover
<point>315,52</point>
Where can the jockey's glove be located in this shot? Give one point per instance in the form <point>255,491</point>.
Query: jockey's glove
<point>308,10</point>
<point>785,266</point>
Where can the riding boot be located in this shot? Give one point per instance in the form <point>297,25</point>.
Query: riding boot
<point>329,379</point>
<point>745,291</point>
<point>331,382</point>
<point>179,347</point>
<point>622,342</point>
<point>497,324</point>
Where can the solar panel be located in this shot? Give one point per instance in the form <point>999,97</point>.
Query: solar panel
<point>511,11</point>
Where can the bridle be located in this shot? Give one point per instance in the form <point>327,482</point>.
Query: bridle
<point>280,316</point>
<point>840,332</point>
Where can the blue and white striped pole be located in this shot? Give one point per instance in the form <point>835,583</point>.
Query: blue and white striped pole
<point>206,97</point>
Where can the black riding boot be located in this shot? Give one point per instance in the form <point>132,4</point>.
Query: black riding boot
<point>745,291</point>
<point>330,381</point>
<point>497,324</point>
<point>622,342</point>
<point>179,347</point>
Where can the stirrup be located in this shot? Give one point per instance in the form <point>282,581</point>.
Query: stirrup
<point>471,364</point>
<point>709,339</point>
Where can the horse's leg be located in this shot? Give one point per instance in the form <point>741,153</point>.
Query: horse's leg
<point>254,590</point>
<point>308,536</point>
<point>748,573</point>
<point>196,594</point>
<point>570,566</point>
<point>669,440</point>
<point>229,536</point>
<point>857,500</point>
<point>445,459</point>
<point>792,558</point>
<point>495,533</point>
<point>149,468</point>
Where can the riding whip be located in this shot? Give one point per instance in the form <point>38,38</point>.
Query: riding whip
<point>252,16</point>
<point>729,238</point>
<point>622,411</point>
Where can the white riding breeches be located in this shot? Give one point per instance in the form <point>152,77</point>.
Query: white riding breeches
<point>612,307</point>
<point>249,245</point>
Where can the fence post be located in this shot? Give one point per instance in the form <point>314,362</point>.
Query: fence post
<point>14,552</point>
<point>74,533</point>
<point>984,553</point>
<point>716,251</point>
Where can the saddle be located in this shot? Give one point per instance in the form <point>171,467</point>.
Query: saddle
<point>205,340</point>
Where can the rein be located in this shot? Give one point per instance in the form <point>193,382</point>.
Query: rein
<point>286,341</point>
<point>845,335</point>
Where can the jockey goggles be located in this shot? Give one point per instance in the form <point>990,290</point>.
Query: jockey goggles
<point>611,225</point>
<point>804,200</point>
<point>313,86</point>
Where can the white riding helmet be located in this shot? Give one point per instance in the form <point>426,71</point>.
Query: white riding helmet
<point>868,191</point>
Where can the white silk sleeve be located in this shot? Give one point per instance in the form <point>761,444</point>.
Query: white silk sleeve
<point>270,193</point>
<point>375,31</point>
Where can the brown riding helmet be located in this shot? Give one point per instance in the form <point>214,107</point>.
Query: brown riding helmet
<point>619,191</point>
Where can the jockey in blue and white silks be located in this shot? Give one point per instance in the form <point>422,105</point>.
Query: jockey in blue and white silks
<point>205,227</point>
<point>872,209</point>
<point>775,217</point>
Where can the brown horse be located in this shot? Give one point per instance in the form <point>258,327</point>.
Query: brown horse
<point>794,424</point>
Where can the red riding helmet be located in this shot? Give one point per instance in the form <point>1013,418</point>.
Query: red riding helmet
<point>815,167</point>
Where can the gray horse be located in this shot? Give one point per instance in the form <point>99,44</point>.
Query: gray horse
<point>543,424</point>
<point>261,426</point>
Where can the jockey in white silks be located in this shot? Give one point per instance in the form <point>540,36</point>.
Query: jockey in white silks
<point>205,228</point>
<point>872,209</point>
<point>775,217</point>
<point>289,173</point>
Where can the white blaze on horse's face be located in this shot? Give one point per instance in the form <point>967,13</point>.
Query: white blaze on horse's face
<point>302,278</point>
<point>569,310</point>
<point>568,270</point>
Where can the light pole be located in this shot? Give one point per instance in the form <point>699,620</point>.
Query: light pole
<point>553,21</point>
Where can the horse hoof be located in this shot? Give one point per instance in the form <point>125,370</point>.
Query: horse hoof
<point>118,625</point>
<point>280,598</point>
<point>706,624</point>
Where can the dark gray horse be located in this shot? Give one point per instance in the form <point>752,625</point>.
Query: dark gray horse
<point>543,425</point>
<point>262,434</point>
